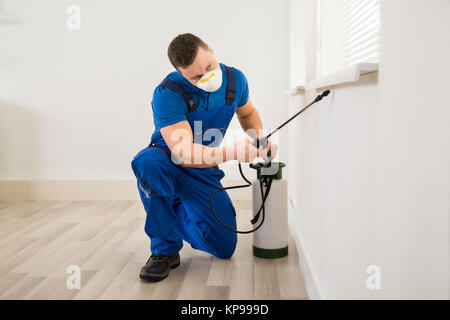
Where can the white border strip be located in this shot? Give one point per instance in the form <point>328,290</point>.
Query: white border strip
<point>314,283</point>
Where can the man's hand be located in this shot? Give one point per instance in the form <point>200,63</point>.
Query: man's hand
<point>242,150</point>
<point>273,148</point>
<point>245,151</point>
<point>251,123</point>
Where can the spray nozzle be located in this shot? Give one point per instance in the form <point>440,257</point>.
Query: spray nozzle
<point>320,96</point>
<point>262,142</point>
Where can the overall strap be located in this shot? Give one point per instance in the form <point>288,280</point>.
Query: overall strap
<point>231,86</point>
<point>172,85</point>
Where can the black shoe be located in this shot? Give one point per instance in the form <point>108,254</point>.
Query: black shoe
<point>158,266</point>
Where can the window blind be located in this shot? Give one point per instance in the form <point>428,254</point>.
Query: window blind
<point>349,33</point>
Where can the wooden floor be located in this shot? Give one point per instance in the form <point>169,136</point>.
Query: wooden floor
<point>106,239</point>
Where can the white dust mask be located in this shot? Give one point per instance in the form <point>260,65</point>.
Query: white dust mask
<point>211,81</point>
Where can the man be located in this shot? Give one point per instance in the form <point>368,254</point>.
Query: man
<point>178,171</point>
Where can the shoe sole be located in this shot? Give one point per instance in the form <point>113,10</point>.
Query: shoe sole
<point>153,277</point>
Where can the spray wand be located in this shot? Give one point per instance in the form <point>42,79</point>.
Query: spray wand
<point>262,142</point>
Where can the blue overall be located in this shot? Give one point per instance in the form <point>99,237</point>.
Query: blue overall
<point>176,198</point>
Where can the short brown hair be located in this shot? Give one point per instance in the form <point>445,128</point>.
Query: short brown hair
<point>183,49</point>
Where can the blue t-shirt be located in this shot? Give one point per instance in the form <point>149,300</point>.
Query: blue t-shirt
<point>169,107</point>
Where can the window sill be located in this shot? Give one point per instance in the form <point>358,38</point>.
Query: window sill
<point>348,74</point>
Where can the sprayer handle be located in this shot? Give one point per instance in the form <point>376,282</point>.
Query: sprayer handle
<point>263,142</point>
<point>260,142</point>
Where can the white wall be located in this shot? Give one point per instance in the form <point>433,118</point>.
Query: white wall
<point>76,104</point>
<point>297,38</point>
<point>371,176</point>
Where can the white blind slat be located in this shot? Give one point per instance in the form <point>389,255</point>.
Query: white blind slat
<point>349,33</point>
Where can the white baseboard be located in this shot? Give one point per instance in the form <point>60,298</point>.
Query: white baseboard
<point>314,283</point>
<point>87,190</point>
<point>68,190</point>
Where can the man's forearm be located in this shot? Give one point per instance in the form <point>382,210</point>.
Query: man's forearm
<point>252,124</point>
<point>194,155</point>
<point>201,156</point>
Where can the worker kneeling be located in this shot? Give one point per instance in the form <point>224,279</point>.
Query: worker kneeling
<point>174,177</point>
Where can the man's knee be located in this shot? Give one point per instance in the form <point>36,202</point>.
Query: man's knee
<point>153,169</point>
<point>227,247</point>
<point>220,242</point>
<point>150,160</point>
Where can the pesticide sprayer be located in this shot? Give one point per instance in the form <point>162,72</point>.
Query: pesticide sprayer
<point>269,192</point>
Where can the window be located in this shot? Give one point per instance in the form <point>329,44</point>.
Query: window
<point>349,34</point>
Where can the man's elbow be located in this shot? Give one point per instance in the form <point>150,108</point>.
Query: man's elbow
<point>182,155</point>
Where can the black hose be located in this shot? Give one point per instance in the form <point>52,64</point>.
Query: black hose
<point>264,196</point>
